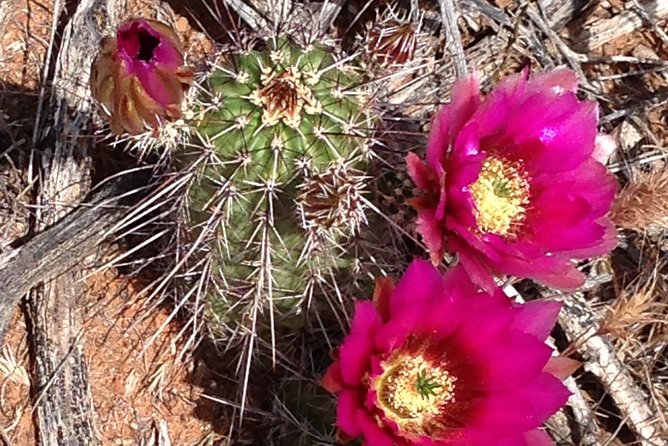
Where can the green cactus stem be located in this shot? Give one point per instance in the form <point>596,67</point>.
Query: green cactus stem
<point>282,135</point>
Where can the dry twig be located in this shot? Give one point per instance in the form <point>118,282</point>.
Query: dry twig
<point>643,204</point>
<point>449,17</point>
<point>65,413</point>
<point>603,31</point>
<point>62,246</point>
<point>581,326</point>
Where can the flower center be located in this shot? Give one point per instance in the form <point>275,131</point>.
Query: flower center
<point>283,98</point>
<point>147,45</point>
<point>501,196</point>
<point>412,391</point>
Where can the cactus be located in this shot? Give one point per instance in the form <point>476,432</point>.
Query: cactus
<point>270,167</point>
<point>280,135</point>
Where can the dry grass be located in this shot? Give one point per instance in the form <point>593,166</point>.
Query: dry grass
<point>637,323</point>
<point>639,315</point>
<point>643,204</point>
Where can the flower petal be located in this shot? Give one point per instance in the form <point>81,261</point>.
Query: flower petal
<point>347,413</point>
<point>449,121</point>
<point>139,76</point>
<point>333,380</point>
<point>603,246</point>
<point>419,172</point>
<point>552,271</point>
<point>430,228</point>
<point>537,318</point>
<point>382,296</point>
<point>557,82</point>
<point>355,352</point>
<point>561,367</point>
<point>419,284</point>
<point>563,142</point>
<point>501,415</point>
<point>374,435</point>
<point>504,369</point>
<point>477,269</point>
<point>605,146</point>
<point>538,437</point>
<point>504,386</point>
<point>541,124</point>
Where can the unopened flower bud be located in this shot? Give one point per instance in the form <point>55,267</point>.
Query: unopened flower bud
<point>139,77</point>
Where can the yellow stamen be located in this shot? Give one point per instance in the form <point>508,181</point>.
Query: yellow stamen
<point>412,392</point>
<point>501,196</point>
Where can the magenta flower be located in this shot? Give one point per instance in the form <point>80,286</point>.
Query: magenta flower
<point>514,182</point>
<point>435,362</point>
<point>139,76</point>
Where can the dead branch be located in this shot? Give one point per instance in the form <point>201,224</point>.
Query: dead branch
<point>449,19</point>
<point>485,58</point>
<point>64,405</point>
<point>252,17</point>
<point>329,10</point>
<point>581,326</point>
<point>557,14</point>
<point>603,31</point>
<point>276,11</point>
<point>64,245</point>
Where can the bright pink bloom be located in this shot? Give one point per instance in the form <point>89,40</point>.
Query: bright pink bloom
<point>436,362</point>
<point>140,76</point>
<point>513,182</point>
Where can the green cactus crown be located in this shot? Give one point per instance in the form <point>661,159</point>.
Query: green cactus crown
<point>284,109</point>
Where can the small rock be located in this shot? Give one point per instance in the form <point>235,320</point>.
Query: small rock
<point>644,52</point>
<point>629,136</point>
<point>181,25</point>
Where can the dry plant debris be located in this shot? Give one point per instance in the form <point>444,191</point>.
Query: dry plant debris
<point>136,387</point>
<point>143,395</point>
<point>643,204</point>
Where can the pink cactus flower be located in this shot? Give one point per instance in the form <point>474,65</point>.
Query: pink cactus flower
<point>140,77</point>
<point>437,362</point>
<point>514,182</point>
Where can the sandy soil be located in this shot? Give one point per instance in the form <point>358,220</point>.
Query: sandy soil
<point>139,388</point>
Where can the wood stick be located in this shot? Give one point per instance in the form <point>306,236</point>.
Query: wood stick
<point>484,57</point>
<point>558,13</point>
<point>328,10</point>
<point>603,31</point>
<point>251,16</point>
<point>581,325</point>
<point>63,246</point>
<point>64,406</point>
<point>452,36</point>
<point>275,11</point>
